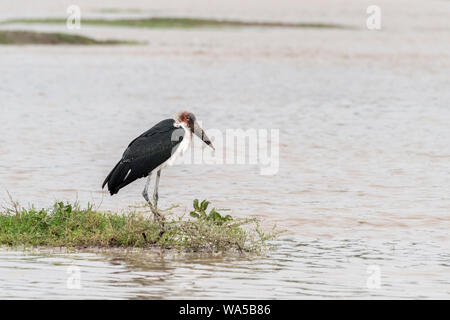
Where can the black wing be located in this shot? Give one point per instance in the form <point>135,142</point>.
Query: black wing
<point>144,154</point>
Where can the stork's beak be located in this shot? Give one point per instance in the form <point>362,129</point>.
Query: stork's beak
<point>201,134</point>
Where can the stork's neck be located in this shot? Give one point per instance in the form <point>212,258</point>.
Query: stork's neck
<point>187,130</point>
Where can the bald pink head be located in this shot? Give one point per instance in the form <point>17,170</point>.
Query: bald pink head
<point>189,119</point>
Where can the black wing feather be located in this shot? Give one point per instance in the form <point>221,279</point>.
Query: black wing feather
<point>144,154</point>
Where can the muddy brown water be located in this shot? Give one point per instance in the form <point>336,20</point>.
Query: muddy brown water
<point>363,181</point>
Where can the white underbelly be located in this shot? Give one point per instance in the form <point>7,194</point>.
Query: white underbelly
<point>182,148</point>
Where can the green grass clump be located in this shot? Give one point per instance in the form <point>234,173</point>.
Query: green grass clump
<point>69,225</point>
<point>5,38</point>
<point>180,23</point>
<point>31,37</point>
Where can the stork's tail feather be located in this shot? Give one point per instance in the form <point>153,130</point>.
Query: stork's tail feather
<point>116,177</point>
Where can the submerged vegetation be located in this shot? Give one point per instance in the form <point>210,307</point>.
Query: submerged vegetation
<point>31,37</point>
<point>69,225</point>
<point>179,22</point>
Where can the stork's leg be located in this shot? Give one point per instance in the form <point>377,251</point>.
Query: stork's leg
<point>153,207</point>
<point>155,193</point>
<point>145,192</point>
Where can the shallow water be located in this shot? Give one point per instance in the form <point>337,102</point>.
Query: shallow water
<point>333,269</point>
<point>364,153</point>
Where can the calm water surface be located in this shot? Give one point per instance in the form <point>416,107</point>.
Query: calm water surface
<point>296,269</point>
<point>364,173</point>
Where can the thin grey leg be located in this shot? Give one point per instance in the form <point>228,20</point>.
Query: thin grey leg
<point>155,193</point>
<point>145,192</point>
<point>155,196</point>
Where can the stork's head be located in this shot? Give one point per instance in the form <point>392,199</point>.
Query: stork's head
<point>188,119</point>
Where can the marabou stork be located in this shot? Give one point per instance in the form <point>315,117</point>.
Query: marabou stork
<point>152,151</point>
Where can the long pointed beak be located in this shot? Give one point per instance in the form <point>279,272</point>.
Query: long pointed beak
<point>202,135</point>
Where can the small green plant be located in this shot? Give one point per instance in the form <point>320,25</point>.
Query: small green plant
<point>214,216</point>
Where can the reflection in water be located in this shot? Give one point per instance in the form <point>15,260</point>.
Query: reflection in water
<point>296,270</point>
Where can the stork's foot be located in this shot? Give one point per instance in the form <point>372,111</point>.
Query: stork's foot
<point>156,213</point>
<point>154,207</point>
<point>157,216</point>
<point>160,219</point>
